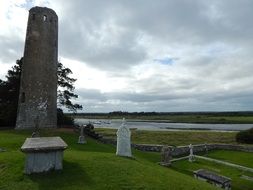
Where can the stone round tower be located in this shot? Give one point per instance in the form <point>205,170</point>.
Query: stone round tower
<point>38,88</point>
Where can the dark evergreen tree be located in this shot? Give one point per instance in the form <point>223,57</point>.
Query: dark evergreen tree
<point>66,88</point>
<point>9,93</point>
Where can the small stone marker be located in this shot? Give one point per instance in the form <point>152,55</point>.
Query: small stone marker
<point>36,128</point>
<point>81,139</point>
<point>213,178</point>
<point>191,156</point>
<point>43,154</point>
<point>166,156</point>
<point>123,141</point>
<point>206,148</point>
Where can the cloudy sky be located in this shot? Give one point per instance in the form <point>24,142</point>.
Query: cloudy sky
<point>146,55</point>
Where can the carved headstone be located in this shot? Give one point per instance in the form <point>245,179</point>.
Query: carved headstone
<point>81,139</point>
<point>123,141</point>
<point>191,156</point>
<point>166,156</point>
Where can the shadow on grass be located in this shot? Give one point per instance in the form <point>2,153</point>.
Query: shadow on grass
<point>72,175</point>
<point>91,145</point>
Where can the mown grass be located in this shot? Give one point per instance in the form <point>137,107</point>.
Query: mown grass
<point>173,138</point>
<point>236,157</point>
<point>238,183</point>
<point>89,166</point>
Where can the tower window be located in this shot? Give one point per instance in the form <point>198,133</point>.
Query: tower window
<point>44,18</point>
<point>33,16</point>
<point>23,97</point>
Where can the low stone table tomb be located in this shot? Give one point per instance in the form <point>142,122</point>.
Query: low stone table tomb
<point>213,178</point>
<point>43,154</point>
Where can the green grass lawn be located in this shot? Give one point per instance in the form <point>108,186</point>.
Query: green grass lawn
<point>89,166</point>
<point>236,157</point>
<point>238,183</point>
<point>175,138</point>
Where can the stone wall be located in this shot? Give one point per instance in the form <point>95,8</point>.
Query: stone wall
<point>184,150</point>
<point>108,141</point>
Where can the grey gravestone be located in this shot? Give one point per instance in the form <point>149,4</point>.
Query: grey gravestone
<point>123,141</point>
<point>43,154</point>
<point>191,156</point>
<point>166,156</point>
<point>81,139</point>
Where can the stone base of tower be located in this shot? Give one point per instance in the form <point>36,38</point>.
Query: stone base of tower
<point>23,126</point>
<point>34,119</point>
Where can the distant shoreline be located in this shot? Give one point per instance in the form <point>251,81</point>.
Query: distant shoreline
<point>187,120</point>
<point>174,117</point>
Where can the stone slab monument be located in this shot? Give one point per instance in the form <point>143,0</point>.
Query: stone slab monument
<point>38,88</point>
<point>124,141</point>
<point>213,178</point>
<point>43,154</point>
<point>166,156</point>
<point>81,139</point>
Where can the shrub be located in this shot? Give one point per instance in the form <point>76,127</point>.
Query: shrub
<point>245,136</point>
<point>63,119</point>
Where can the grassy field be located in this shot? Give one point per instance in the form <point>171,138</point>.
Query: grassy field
<point>175,138</point>
<point>238,183</point>
<point>89,166</point>
<point>241,158</point>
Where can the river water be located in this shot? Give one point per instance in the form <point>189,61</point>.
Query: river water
<point>140,125</point>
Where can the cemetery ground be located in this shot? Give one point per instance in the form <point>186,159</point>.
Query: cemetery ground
<point>88,166</point>
<point>95,166</point>
<point>241,180</point>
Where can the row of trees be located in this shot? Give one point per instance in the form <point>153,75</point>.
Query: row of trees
<point>9,94</point>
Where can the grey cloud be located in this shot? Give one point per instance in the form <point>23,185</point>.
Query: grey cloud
<point>174,22</point>
<point>11,49</point>
<point>192,22</point>
<point>213,40</point>
<point>85,34</point>
<point>193,101</point>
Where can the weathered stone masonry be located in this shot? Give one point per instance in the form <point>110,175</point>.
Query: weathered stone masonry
<point>38,88</point>
<point>184,150</point>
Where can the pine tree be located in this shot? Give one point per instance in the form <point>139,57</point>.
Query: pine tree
<point>66,88</point>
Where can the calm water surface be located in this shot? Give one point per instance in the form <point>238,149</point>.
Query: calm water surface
<point>115,123</point>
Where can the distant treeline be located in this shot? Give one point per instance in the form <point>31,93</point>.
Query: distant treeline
<point>123,113</point>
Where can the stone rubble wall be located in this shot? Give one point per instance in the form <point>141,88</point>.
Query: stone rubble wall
<point>184,150</point>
